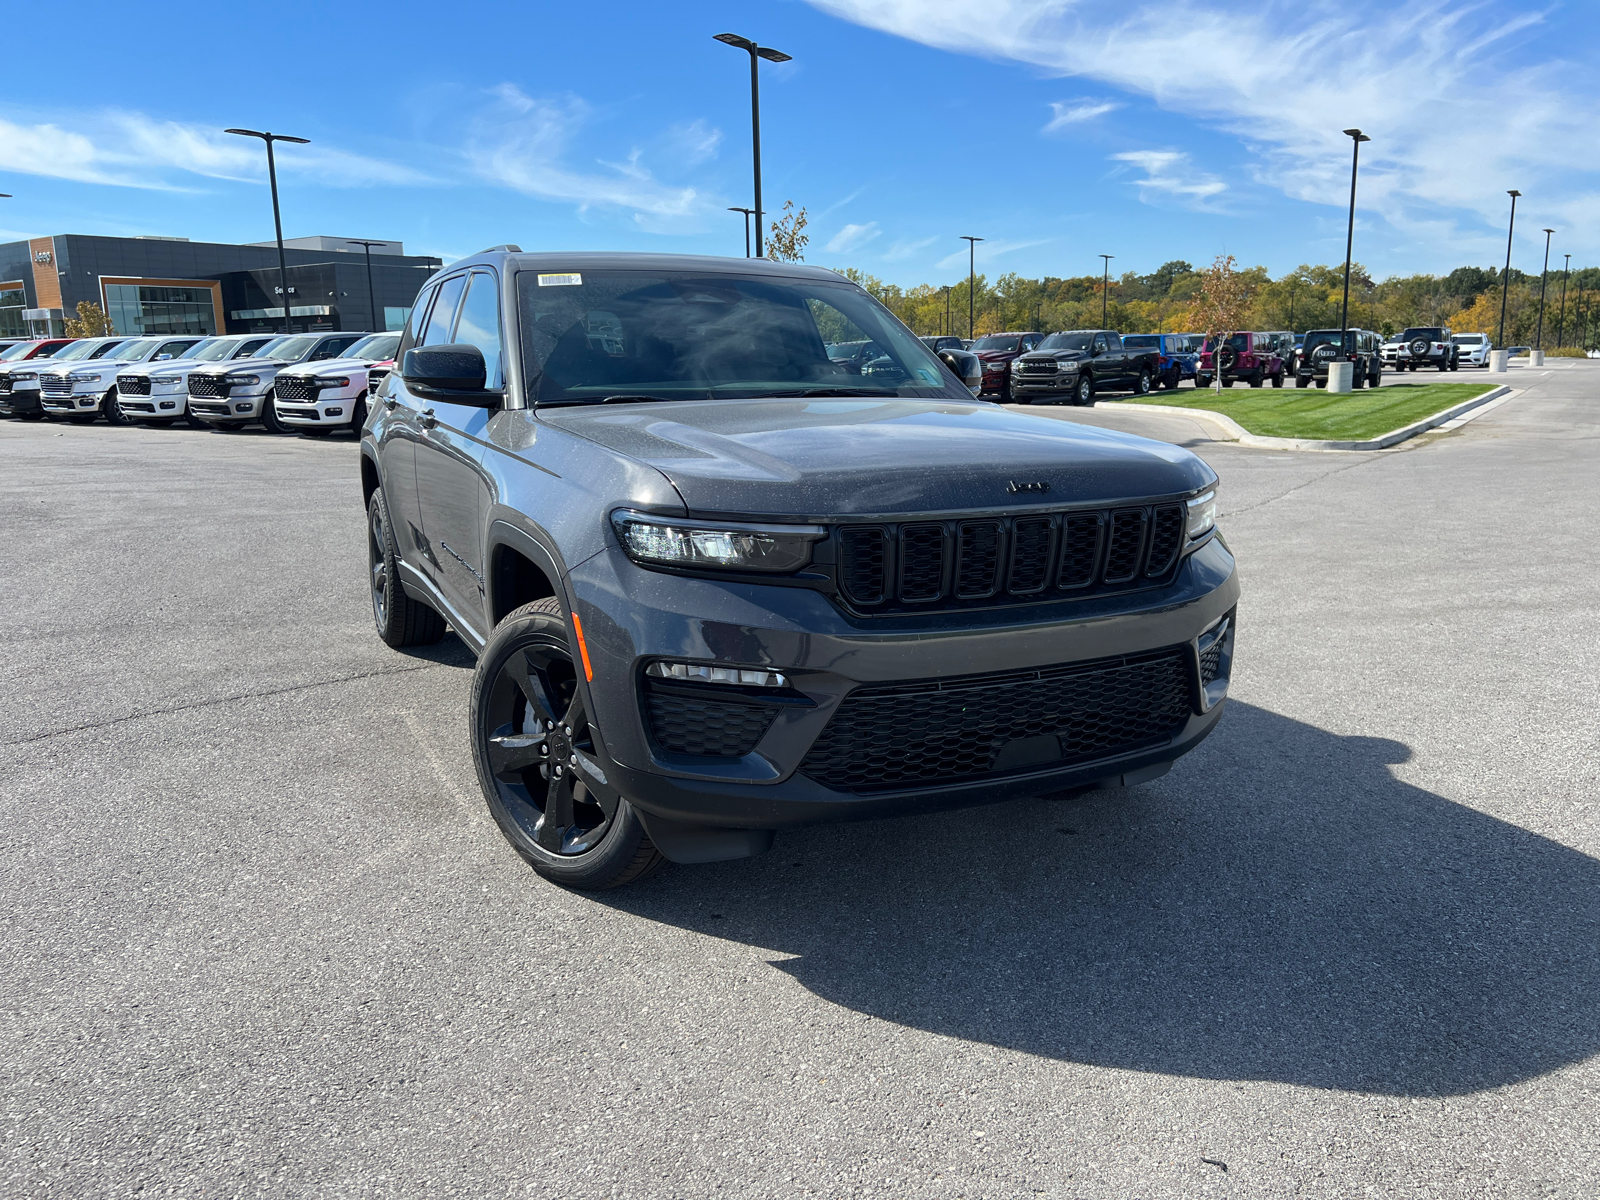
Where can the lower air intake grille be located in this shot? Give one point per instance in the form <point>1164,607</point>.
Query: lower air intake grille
<point>712,728</point>
<point>923,734</point>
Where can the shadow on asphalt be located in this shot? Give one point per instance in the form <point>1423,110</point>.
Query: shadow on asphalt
<point>1280,907</point>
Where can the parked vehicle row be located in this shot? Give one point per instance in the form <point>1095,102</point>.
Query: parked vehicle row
<point>313,383</point>
<point>1080,363</point>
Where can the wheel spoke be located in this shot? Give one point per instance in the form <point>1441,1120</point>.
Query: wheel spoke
<point>600,789</point>
<point>512,753</point>
<point>557,809</point>
<point>524,673</point>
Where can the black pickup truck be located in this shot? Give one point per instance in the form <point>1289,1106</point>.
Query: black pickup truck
<point>1079,363</point>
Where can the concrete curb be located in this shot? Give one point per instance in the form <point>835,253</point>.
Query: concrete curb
<point>1237,433</point>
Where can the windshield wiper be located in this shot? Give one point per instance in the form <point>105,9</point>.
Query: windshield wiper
<point>829,391</point>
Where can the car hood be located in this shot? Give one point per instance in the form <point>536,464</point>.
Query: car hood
<point>246,364</point>
<point>822,458</point>
<point>330,365</point>
<point>1056,355</point>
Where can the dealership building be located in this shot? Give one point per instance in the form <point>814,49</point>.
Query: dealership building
<point>172,285</point>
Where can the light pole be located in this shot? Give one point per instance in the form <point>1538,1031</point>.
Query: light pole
<point>946,328</point>
<point>972,278</point>
<point>1538,340</point>
<point>1561,321</point>
<point>748,213</point>
<point>1105,286</point>
<point>277,220</point>
<point>771,55</point>
<point>372,294</point>
<point>1505,279</point>
<point>1356,137</point>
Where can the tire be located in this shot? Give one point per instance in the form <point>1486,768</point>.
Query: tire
<point>269,416</point>
<point>1301,381</point>
<point>1202,381</point>
<point>1376,378</point>
<point>1083,394</point>
<point>1256,380</point>
<point>530,734</point>
<point>401,621</point>
<point>1228,383</point>
<point>30,416</point>
<point>111,409</point>
<point>1141,386</point>
<point>194,422</point>
<point>1356,381</point>
<point>358,416</point>
<point>1277,379</point>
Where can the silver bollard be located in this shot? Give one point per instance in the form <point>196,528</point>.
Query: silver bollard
<point>1497,362</point>
<point>1341,376</point>
<point>1536,358</point>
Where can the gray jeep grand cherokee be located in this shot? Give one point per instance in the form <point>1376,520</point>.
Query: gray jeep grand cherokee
<point>720,586</point>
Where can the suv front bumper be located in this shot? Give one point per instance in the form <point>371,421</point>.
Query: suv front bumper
<point>332,408</point>
<point>632,616</point>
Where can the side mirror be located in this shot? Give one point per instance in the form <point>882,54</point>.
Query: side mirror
<point>454,372</point>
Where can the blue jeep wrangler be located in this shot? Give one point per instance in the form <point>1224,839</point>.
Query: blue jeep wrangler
<point>1180,354</point>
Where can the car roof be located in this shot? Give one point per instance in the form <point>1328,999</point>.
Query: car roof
<point>613,260</point>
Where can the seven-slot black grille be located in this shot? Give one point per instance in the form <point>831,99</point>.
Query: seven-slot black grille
<point>287,387</point>
<point>933,564</point>
<point>690,724</point>
<point>133,385</point>
<point>921,734</point>
<point>207,385</point>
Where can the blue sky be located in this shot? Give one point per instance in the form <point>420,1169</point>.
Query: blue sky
<point>1056,129</point>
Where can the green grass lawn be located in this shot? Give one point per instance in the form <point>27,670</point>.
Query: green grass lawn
<point>1313,413</point>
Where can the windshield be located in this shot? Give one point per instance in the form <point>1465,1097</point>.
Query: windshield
<point>11,353</point>
<point>659,335</point>
<point>289,349</point>
<point>1433,335</point>
<point>137,350</point>
<point>1468,339</point>
<point>378,346</point>
<point>997,341</point>
<point>210,350</point>
<point>1328,337</point>
<point>1239,341</point>
<point>1141,341</point>
<point>78,350</point>
<point>110,349</point>
<point>1067,341</point>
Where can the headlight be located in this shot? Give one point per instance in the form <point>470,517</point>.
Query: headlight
<point>728,546</point>
<point>83,379</point>
<point>1068,366</point>
<point>166,380</point>
<point>243,380</point>
<point>16,375</point>
<point>1203,514</point>
<point>333,381</point>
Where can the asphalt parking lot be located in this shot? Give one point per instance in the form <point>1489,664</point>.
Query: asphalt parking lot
<point>264,940</point>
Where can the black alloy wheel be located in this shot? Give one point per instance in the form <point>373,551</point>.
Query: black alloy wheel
<point>538,757</point>
<point>1142,386</point>
<point>1277,379</point>
<point>1084,393</point>
<point>269,415</point>
<point>401,621</point>
<point>111,409</point>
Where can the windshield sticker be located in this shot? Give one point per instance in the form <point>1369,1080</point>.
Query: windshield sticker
<point>573,279</point>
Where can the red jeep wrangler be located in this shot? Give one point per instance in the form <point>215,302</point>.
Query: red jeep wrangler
<point>1249,356</point>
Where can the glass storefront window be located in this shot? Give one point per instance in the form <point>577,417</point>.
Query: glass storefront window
<point>395,318</point>
<point>140,308</point>
<point>12,302</point>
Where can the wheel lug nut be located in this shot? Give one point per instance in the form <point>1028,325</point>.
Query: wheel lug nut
<point>558,770</point>
<point>573,760</point>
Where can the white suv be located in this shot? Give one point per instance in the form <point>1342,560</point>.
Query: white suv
<point>83,388</point>
<point>158,392</point>
<point>319,397</point>
<point>232,397</point>
<point>1474,348</point>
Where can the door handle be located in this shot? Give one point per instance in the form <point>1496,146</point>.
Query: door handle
<point>426,418</point>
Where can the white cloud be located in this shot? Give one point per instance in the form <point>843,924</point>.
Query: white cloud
<point>522,142</point>
<point>131,149</point>
<point>1460,107</point>
<point>692,143</point>
<point>1169,173</point>
<point>903,249</point>
<point>1077,112</point>
<point>986,252</point>
<point>852,237</point>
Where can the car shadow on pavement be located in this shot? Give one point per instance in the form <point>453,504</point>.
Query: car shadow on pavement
<point>1280,907</point>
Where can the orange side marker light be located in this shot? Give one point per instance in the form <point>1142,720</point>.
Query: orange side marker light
<point>583,647</point>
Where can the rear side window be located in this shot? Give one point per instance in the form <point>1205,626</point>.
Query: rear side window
<point>480,324</point>
<point>442,317</point>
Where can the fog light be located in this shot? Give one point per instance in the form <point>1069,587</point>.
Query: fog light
<point>86,402</point>
<point>243,407</point>
<point>169,404</point>
<point>699,673</point>
<point>335,412</point>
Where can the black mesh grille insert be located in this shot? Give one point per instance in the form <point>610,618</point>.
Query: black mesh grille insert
<point>1030,554</point>
<point>922,563</point>
<point>714,728</point>
<point>1211,662</point>
<point>294,389</point>
<point>133,385</point>
<point>928,733</point>
<point>1166,537</point>
<point>978,559</point>
<point>1123,545</point>
<point>5,386</point>
<point>1080,549</point>
<point>206,385</point>
<point>861,564</point>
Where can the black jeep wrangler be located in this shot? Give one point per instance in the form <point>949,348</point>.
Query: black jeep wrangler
<point>720,585</point>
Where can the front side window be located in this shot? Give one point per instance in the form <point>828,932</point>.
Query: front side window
<point>480,324</point>
<point>290,349</point>
<point>697,336</point>
<point>442,317</point>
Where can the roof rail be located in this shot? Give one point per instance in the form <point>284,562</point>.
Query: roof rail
<point>508,247</point>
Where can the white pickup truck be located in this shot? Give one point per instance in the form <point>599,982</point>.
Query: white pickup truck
<point>157,393</point>
<point>318,397</point>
